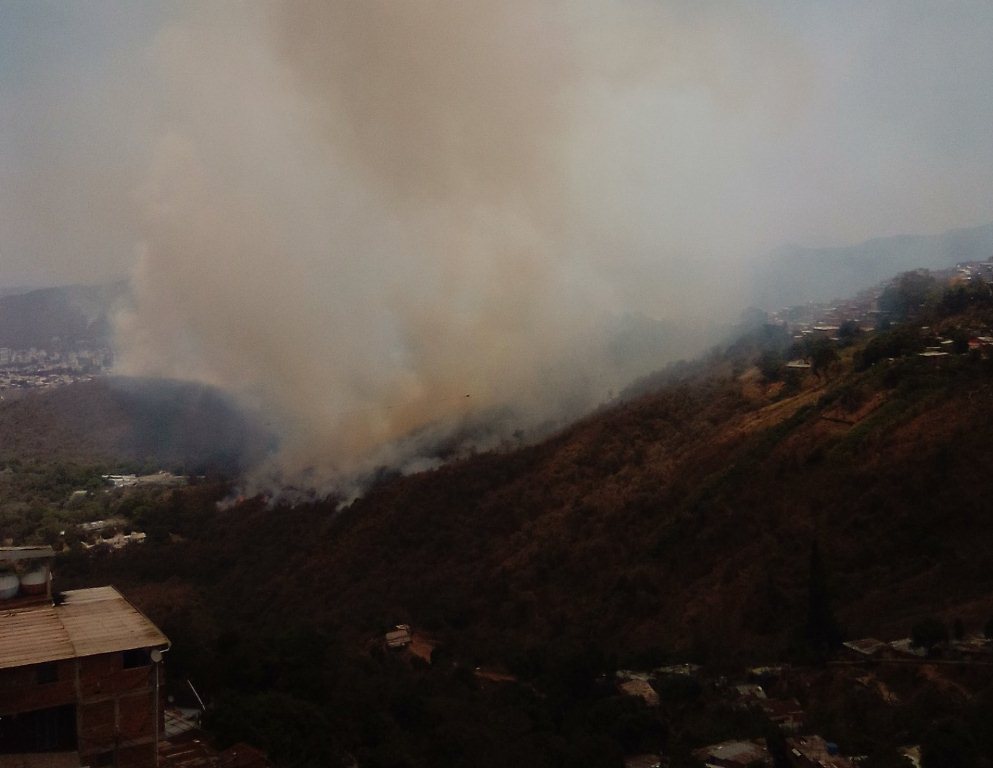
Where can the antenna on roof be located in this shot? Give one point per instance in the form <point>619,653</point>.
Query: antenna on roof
<point>202,705</point>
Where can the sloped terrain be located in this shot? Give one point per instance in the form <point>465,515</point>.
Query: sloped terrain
<point>143,421</point>
<point>679,525</point>
<point>681,521</point>
<point>685,520</point>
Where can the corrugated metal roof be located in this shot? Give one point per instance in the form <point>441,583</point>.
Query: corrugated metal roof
<point>88,622</point>
<point>32,636</point>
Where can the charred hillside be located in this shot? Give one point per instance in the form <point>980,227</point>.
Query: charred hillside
<point>680,521</point>
<point>684,520</point>
<point>680,525</point>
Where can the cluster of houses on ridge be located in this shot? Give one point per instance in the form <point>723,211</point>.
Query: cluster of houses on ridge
<point>13,382</point>
<point>804,750</point>
<point>862,313</point>
<point>84,360</point>
<point>764,690</point>
<point>112,533</point>
<point>160,478</point>
<point>801,752</point>
<point>968,648</point>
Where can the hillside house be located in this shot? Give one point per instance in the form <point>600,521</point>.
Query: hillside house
<point>972,648</point>
<point>398,637</point>
<point>640,688</point>
<point>679,670</point>
<point>815,752</point>
<point>905,649</point>
<point>775,672</point>
<point>79,675</point>
<point>750,693</point>
<point>786,713</point>
<point>864,649</point>
<point>734,754</point>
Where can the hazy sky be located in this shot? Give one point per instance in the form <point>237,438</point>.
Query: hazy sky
<point>354,212</point>
<point>811,122</point>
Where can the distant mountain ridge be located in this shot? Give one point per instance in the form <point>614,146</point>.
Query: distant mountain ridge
<point>68,315</point>
<point>14,290</point>
<point>795,275</point>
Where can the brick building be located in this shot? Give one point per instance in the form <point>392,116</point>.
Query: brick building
<point>79,674</point>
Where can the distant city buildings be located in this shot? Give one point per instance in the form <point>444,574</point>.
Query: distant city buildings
<point>34,368</point>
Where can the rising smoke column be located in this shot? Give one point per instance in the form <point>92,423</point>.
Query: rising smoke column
<point>360,212</point>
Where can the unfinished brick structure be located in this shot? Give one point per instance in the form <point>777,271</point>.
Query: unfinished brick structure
<point>79,676</point>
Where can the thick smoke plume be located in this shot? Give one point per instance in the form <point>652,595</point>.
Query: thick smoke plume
<point>390,224</point>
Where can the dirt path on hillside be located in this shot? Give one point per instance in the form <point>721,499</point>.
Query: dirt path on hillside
<point>775,413</point>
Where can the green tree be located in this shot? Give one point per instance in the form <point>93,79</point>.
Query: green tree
<point>908,294</point>
<point>848,331</point>
<point>900,341</point>
<point>954,300</point>
<point>822,355</point>
<point>770,365</point>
